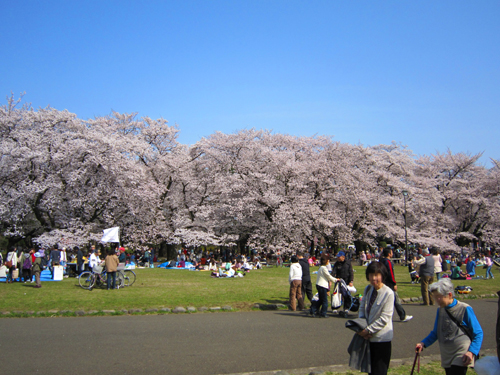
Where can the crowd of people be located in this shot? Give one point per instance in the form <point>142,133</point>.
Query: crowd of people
<point>23,265</point>
<point>26,265</point>
<point>456,327</point>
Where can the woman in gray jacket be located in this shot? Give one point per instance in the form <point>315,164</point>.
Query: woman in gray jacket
<point>377,308</point>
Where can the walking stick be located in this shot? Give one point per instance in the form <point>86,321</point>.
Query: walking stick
<point>417,356</point>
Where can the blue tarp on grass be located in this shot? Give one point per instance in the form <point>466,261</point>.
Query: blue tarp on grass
<point>44,276</point>
<point>188,266</point>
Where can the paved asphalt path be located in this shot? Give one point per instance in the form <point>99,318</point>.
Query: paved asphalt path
<point>201,343</point>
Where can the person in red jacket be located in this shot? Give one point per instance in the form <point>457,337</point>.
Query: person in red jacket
<point>390,281</point>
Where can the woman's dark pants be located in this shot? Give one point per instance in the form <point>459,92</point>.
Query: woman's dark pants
<point>323,301</point>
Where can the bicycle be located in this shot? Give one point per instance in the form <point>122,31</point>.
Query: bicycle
<point>97,277</point>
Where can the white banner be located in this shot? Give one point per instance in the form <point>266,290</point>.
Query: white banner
<point>111,235</point>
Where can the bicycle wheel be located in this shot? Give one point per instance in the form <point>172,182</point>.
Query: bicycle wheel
<point>101,280</point>
<point>120,280</point>
<point>129,276</point>
<point>86,280</point>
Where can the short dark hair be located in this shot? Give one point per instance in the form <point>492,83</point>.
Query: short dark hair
<point>387,251</point>
<point>376,267</point>
<point>294,259</point>
<point>324,259</point>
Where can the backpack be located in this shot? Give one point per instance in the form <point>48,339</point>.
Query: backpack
<point>27,263</point>
<point>444,265</point>
<point>356,301</point>
<point>462,289</point>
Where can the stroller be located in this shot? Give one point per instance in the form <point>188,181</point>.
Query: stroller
<point>342,295</point>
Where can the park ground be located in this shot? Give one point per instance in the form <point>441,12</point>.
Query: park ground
<point>158,290</point>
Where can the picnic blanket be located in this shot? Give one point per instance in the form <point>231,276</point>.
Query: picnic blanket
<point>188,266</point>
<point>44,276</point>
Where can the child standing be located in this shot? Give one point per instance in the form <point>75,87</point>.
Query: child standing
<point>488,263</point>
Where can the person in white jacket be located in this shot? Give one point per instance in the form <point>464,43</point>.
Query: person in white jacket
<point>323,287</point>
<point>12,258</point>
<point>93,258</point>
<point>295,280</point>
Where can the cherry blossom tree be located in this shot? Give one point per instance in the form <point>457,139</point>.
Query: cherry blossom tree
<point>64,180</point>
<point>69,177</point>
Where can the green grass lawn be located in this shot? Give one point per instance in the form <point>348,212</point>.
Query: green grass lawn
<point>433,368</point>
<point>157,288</point>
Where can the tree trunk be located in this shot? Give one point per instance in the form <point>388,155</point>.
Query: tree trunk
<point>167,250</point>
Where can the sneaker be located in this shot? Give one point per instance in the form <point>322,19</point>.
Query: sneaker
<point>408,318</point>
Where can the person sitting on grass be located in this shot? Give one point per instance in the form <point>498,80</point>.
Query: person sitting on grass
<point>257,264</point>
<point>228,273</point>
<point>457,274</point>
<point>203,260</point>
<point>213,264</point>
<point>471,266</point>
<point>236,265</point>
<point>197,266</point>
<point>246,266</point>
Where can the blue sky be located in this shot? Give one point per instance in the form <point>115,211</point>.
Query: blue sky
<point>422,73</point>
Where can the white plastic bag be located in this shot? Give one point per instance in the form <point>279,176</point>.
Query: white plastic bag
<point>336,297</point>
<point>487,366</point>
